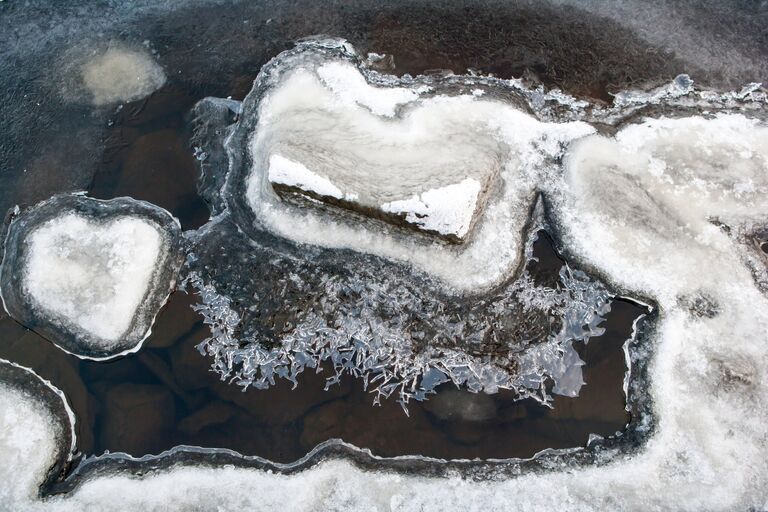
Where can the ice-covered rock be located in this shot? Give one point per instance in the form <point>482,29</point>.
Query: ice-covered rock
<point>90,275</point>
<point>359,147</point>
<point>332,136</point>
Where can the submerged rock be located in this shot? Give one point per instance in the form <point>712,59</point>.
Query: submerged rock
<point>457,404</point>
<point>90,275</point>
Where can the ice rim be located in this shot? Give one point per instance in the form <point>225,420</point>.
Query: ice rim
<point>57,329</point>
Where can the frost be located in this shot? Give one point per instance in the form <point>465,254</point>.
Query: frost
<point>121,74</point>
<point>403,343</point>
<point>91,275</point>
<point>349,85</point>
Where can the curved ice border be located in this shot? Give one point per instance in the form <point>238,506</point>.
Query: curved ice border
<point>64,336</point>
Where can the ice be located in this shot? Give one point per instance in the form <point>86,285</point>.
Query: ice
<point>75,268</point>
<point>89,274</point>
<point>28,440</point>
<point>707,379</point>
<point>312,106</point>
<point>671,208</point>
<point>292,174</point>
<point>120,74</point>
<point>349,85</point>
<point>397,331</point>
<point>447,210</point>
<point>36,435</point>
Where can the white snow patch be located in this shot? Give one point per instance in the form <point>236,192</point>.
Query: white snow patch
<point>92,275</point>
<point>28,436</point>
<point>349,85</point>
<point>447,210</point>
<point>293,174</point>
<point>121,74</point>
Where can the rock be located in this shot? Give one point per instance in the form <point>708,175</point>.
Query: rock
<point>175,321</point>
<point>461,405</point>
<point>137,418</point>
<point>213,413</point>
<point>281,404</point>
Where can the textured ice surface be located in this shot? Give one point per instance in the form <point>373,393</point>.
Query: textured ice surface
<point>95,276</point>
<point>89,274</point>
<point>36,436</point>
<point>120,74</point>
<point>28,440</point>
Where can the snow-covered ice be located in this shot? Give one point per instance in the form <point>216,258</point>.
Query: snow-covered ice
<point>120,73</point>
<point>283,171</point>
<point>91,275</point>
<point>446,210</point>
<point>96,276</point>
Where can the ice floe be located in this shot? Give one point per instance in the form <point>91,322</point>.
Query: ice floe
<point>90,275</point>
<point>471,162</point>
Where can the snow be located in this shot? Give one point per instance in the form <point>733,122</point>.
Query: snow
<point>28,445</point>
<point>94,276</point>
<point>447,210</point>
<point>287,172</point>
<point>349,85</point>
<point>121,74</point>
